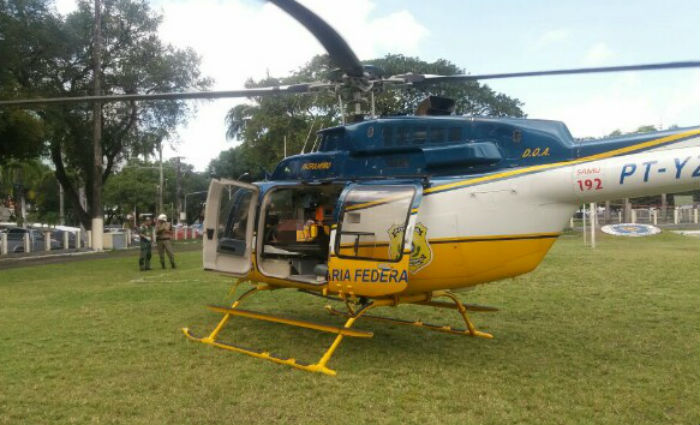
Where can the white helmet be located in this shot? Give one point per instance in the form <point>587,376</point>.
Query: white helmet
<point>162,217</point>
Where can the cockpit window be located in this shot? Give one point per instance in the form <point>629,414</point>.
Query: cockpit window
<point>286,170</point>
<point>401,136</point>
<point>437,135</point>
<point>330,141</point>
<point>420,134</point>
<point>388,135</point>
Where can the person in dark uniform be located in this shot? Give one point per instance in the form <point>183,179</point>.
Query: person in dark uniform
<point>145,234</point>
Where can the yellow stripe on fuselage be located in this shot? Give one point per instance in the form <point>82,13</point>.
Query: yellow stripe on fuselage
<point>602,155</point>
<point>381,201</point>
<point>489,238</point>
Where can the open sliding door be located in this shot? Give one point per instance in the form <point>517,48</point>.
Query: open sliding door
<point>228,226</point>
<point>371,246</point>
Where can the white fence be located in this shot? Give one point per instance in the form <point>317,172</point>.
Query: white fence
<point>674,216</point>
<point>42,239</point>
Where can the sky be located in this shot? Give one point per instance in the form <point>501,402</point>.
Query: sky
<point>241,39</point>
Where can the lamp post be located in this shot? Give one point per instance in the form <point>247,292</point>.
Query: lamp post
<point>160,186</point>
<point>178,188</point>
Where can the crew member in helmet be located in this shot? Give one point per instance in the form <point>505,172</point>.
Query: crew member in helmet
<point>163,234</point>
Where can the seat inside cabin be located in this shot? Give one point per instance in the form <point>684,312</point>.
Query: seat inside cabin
<point>296,225</point>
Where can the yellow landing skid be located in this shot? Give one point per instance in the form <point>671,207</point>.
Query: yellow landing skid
<point>340,332</point>
<point>417,323</point>
<point>456,305</point>
<point>292,322</point>
<point>262,354</point>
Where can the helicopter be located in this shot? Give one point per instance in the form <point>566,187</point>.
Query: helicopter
<point>394,210</point>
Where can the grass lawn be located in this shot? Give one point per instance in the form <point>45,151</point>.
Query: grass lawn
<point>607,336</point>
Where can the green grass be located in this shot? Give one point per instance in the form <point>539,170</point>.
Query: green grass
<point>608,336</point>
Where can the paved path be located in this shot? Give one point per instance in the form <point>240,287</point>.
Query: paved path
<point>11,261</point>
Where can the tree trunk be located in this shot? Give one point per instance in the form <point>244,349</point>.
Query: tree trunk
<point>70,190</point>
<point>96,202</point>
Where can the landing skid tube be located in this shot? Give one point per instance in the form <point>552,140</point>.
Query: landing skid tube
<point>352,315</point>
<point>319,366</point>
<point>456,305</point>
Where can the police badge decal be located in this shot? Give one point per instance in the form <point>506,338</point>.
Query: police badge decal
<point>421,253</point>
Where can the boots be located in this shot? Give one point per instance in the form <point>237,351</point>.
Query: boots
<point>172,264</point>
<point>162,264</point>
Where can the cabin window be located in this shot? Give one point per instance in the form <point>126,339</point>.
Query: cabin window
<point>454,134</point>
<point>331,141</point>
<point>233,220</point>
<point>373,221</point>
<point>286,170</point>
<point>388,135</point>
<point>420,134</point>
<point>396,162</point>
<point>401,136</point>
<point>437,135</point>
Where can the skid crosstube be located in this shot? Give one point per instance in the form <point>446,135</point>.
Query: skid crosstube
<point>340,332</point>
<point>293,322</point>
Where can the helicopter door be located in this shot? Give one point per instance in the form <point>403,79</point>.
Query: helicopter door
<point>371,246</point>
<point>228,226</point>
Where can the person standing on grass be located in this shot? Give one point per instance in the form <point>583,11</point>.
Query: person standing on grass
<point>145,233</point>
<point>163,234</point>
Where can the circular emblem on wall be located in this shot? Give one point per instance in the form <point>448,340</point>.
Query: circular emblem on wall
<point>630,229</point>
<point>370,131</point>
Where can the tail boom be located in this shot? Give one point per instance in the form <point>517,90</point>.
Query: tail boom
<point>643,174</point>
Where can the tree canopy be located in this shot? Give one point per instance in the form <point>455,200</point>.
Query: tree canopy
<point>135,188</point>
<point>51,55</point>
<point>265,125</point>
<point>27,44</point>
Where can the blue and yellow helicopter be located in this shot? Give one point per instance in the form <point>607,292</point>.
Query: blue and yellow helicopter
<point>408,209</point>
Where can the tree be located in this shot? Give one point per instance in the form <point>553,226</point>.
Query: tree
<point>266,125</point>
<point>21,136</point>
<point>24,183</point>
<point>133,60</point>
<point>27,43</point>
<point>233,163</point>
<point>471,97</point>
<point>135,188</point>
<point>645,129</point>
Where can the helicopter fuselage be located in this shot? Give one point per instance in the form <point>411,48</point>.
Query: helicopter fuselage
<point>414,204</point>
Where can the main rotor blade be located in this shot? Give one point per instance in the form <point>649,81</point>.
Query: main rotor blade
<point>338,50</point>
<point>432,79</point>
<point>263,91</point>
